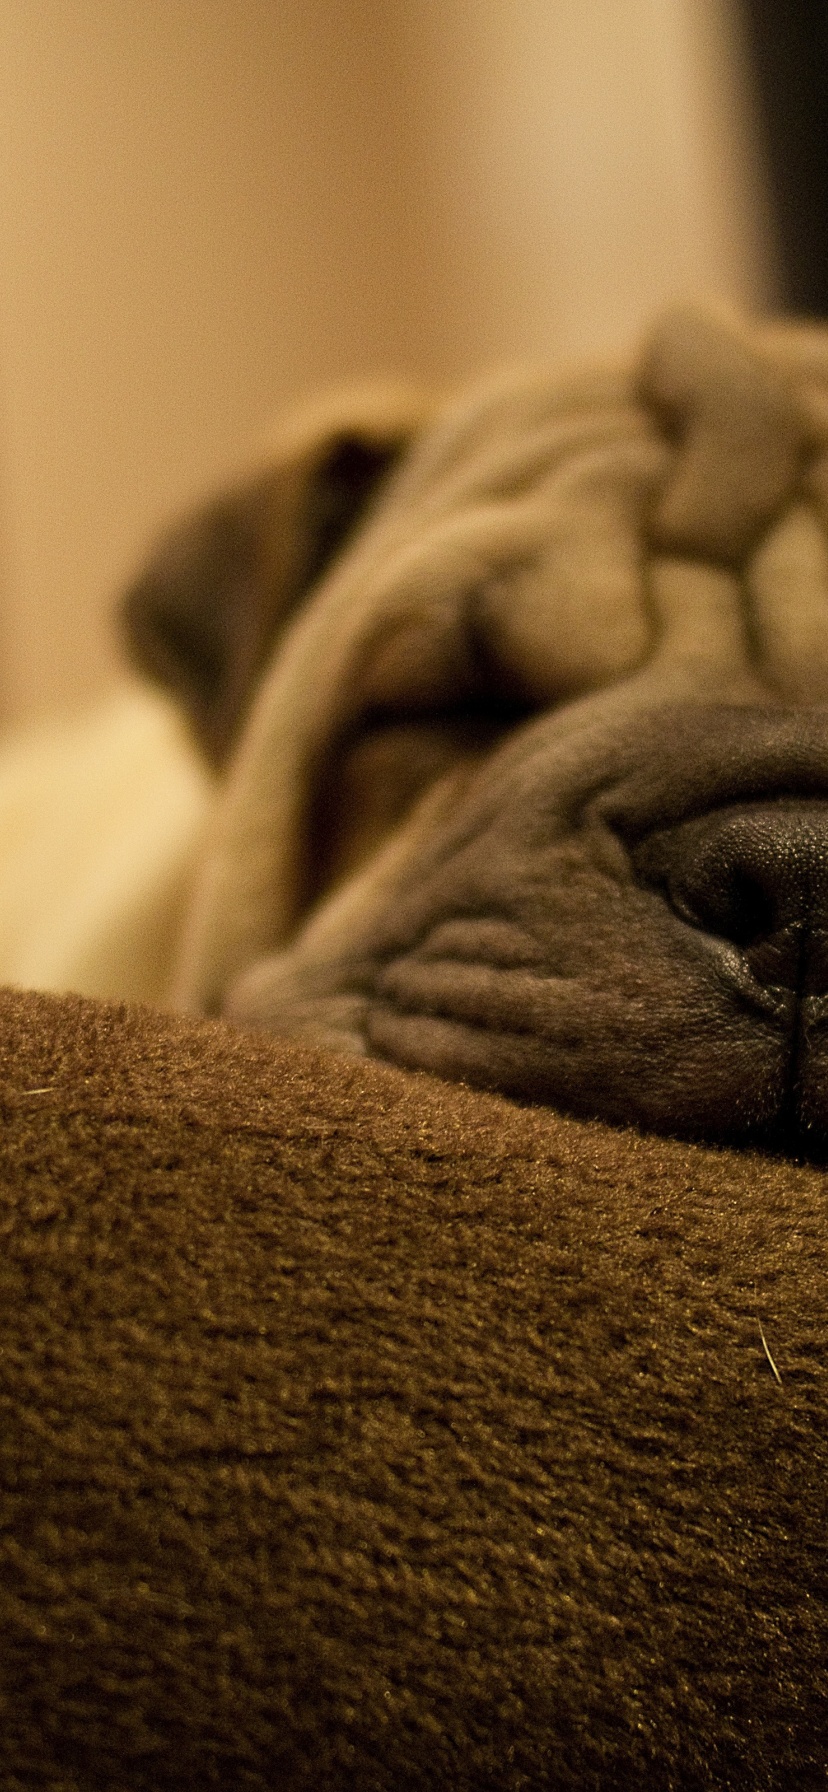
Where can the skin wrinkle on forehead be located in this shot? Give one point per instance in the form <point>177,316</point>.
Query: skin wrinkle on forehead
<point>623,558</point>
<point>286,735</point>
<point>742,432</point>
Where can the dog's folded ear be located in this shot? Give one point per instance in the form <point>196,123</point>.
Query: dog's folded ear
<point>219,586</point>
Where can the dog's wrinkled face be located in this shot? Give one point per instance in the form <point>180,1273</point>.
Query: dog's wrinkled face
<point>534,793</point>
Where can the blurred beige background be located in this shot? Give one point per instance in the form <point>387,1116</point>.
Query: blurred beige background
<point>206,208</point>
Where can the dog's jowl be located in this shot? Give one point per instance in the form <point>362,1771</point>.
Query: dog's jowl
<point>523,712</point>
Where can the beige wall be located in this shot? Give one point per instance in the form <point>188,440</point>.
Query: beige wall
<point>206,207</point>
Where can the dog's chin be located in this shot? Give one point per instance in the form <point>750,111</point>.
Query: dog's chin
<point>687,1045</point>
<point>716,1058</point>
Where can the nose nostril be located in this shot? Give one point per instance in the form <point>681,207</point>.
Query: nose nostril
<point>755,875</point>
<point>740,908</point>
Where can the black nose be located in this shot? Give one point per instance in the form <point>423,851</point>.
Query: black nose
<point>755,874</point>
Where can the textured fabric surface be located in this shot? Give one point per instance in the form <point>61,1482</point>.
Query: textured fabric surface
<point>359,1431</point>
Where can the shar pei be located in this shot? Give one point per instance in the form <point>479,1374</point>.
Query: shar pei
<point>521,710</point>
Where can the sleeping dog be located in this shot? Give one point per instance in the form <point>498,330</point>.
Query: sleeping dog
<point>520,707</point>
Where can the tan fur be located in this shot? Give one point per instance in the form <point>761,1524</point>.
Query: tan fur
<point>543,508</point>
<point>630,557</point>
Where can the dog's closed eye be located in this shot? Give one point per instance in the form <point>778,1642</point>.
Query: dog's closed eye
<point>380,768</point>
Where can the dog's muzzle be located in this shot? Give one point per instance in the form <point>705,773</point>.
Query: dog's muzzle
<point>652,951</point>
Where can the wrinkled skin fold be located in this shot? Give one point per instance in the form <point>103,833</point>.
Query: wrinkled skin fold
<point>534,954</point>
<point>533,792</point>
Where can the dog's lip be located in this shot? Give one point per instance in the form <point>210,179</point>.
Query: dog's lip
<point>428,1015</point>
<point>774,1000</point>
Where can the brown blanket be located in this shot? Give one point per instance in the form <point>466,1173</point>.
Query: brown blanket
<point>359,1431</point>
